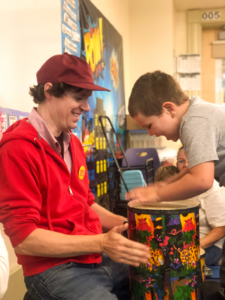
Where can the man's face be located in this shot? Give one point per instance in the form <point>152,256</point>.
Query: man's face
<point>65,111</point>
<point>164,125</point>
<point>181,160</point>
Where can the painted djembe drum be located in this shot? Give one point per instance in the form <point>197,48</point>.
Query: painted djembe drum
<point>171,230</point>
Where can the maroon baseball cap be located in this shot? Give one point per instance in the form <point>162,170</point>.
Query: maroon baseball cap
<point>68,69</point>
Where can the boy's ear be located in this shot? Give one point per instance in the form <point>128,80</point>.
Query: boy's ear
<point>47,86</point>
<point>170,108</point>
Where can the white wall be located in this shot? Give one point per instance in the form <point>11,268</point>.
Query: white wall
<point>151,37</point>
<point>30,33</point>
<point>180,32</point>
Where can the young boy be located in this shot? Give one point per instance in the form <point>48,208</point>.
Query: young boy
<point>158,104</point>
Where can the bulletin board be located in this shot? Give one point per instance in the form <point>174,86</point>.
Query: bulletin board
<point>10,116</point>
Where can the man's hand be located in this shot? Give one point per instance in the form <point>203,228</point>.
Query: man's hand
<point>122,250</point>
<point>143,195</point>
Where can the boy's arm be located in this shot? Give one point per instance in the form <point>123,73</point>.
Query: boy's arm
<point>198,180</point>
<point>212,237</point>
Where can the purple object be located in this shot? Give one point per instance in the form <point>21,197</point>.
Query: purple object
<point>138,156</point>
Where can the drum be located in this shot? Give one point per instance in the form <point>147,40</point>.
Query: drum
<point>171,230</point>
<point>202,264</point>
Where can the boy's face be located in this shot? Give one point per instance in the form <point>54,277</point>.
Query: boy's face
<point>181,160</point>
<point>166,125</point>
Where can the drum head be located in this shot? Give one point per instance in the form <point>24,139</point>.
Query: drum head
<point>164,207</point>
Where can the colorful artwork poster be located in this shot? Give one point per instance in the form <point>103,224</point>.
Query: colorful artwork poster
<point>10,116</point>
<point>70,27</point>
<point>100,45</point>
<point>102,48</point>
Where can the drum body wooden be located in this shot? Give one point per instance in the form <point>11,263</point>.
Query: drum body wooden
<point>171,229</point>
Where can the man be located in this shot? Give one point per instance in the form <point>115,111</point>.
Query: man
<point>46,205</point>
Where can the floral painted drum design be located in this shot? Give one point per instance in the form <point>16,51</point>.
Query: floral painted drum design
<point>171,229</point>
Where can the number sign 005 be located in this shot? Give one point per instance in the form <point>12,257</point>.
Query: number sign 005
<point>210,15</point>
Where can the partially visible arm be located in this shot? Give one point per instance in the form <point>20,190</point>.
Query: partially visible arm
<point>212,237</point>
<point>4,267</point>
<point>172,179</point>
<point>177,176</point>
<point>198,180</point>
<point>108,219</point>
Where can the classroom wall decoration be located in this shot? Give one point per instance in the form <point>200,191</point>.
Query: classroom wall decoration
<point>89,35</point>
<point>70,26</point>
<point>10,116</point>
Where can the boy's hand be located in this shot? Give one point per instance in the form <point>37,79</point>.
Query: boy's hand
<point>143,195</point>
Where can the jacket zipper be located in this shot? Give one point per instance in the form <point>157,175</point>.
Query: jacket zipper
<point>70,190</point>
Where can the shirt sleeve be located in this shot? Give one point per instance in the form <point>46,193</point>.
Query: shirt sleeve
<point>20,198</point>
<point>4,267</point>
<point>214,205</point>
<point>199,138</point>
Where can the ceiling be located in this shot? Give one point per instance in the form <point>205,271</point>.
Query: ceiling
<point>181,5</point>
<point>27,4</point>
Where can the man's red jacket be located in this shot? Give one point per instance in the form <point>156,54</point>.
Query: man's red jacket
<point>37,191</point>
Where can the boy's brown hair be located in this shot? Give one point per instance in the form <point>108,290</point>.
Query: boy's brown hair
<point>163,173</point>
<point>151,90</point>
